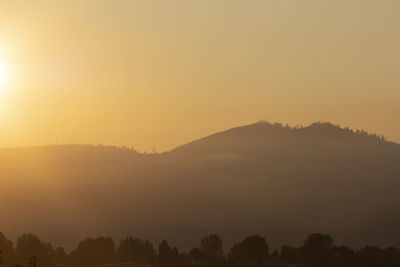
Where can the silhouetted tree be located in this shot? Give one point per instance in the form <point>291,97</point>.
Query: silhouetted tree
<point>164,254</point>
<point>95,251</point>
<point>318,250</point>
<point>7,250</point>
<point>288,254</point>
<point>391,256</point>
<point>195,255</point>
<point>29,245</point>
<point>275,255</point>
<point>251,251</point>
<point>370,256</point>
<point>59,256</point>
<point>343,256</point>
<point>32,261</point>
<point>136,250</point>
<point>211,250</point>
<point>168,257</point>
<point>176,258</point>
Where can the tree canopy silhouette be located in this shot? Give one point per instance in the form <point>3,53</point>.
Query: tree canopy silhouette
<point>253,250</point>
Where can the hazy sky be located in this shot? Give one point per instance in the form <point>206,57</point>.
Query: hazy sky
<point>156,74</point>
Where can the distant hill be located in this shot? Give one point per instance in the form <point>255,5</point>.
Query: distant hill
<point>270,179</point>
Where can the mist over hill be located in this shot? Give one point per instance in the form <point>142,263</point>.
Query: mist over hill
<point>270,179</point>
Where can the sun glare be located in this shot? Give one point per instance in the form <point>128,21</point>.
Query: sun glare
<point>3,74</point>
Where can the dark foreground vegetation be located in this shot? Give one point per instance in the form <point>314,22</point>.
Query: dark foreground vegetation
<point>317,250</point>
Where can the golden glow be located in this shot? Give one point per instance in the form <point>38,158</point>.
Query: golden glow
<point>3,74</point>
<point>7,77</point>
<point>156,74</point>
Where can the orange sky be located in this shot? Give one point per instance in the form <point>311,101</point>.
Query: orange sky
<point>156,74</point>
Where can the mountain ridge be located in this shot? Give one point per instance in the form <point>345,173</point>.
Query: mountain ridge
<point>326,128</point>
<point>283,182</point>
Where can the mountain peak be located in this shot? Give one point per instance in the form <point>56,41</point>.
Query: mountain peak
<point>262,133</point>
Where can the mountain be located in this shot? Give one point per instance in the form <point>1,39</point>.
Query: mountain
<point>269,179</point>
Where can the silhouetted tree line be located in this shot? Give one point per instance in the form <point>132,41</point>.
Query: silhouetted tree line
<point>327,125</point>
<point>318,250</point>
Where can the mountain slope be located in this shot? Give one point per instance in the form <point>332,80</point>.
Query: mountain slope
<point>269,179</point>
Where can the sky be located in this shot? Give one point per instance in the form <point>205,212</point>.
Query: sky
<point>156,74</point>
